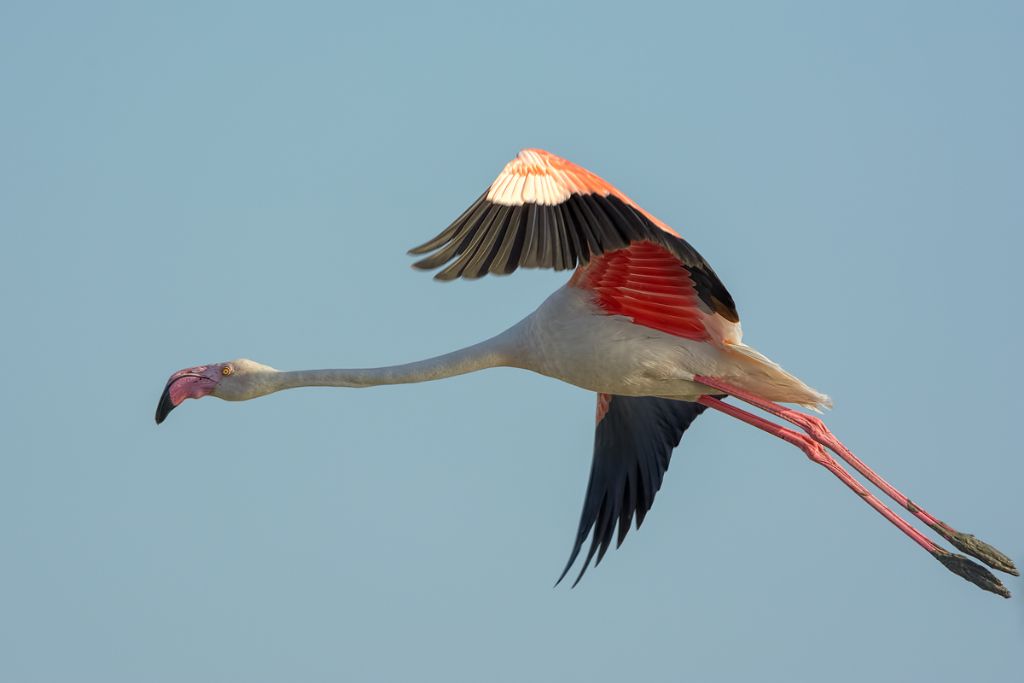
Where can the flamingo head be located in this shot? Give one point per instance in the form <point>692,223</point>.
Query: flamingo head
<point>234,380</point>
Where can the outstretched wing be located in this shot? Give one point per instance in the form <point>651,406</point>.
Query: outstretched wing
<point>545,212</point>
<point>632,447</point>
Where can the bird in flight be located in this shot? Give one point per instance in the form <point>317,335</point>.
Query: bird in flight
<point>644,322</point>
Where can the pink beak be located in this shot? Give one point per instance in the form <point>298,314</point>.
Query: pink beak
<point>188,383</point>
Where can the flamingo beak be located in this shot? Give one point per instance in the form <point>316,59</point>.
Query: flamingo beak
<point>189,383</point>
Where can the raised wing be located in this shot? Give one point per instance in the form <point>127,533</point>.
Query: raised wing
<point>545,212</point>
<point>632,447</point>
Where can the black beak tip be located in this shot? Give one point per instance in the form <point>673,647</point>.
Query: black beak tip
<point>165,406</point>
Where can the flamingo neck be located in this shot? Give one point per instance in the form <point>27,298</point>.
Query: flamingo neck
<point>502,350</point>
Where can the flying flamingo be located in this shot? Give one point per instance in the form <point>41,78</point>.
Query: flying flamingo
<point>644,322</point>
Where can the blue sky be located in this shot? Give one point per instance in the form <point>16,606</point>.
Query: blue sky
<point>191,183</point>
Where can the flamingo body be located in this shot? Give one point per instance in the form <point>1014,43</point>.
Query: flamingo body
<point>573,338</point>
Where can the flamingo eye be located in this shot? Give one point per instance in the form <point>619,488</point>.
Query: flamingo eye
<point>227,370</point>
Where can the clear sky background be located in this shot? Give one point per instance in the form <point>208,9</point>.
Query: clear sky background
<point>190,183</point>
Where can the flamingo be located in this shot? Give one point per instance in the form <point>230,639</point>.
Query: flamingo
<point>644,322</point>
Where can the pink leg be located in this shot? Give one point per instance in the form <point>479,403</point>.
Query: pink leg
<point>957,564</point>
<point>817,454</point>
<point>820,433</point>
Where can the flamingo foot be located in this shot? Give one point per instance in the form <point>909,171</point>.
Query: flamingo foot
<point>977,548</point>
<point>973,572</point>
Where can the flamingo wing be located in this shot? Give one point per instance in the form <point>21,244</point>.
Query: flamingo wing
<point>633,443</point>
<point>545,212</point>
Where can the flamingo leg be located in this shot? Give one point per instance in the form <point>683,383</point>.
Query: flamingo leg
<point>958,564</point>
<point>817,430</point>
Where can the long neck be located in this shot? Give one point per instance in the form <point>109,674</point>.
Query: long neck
<point>502,350</point>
